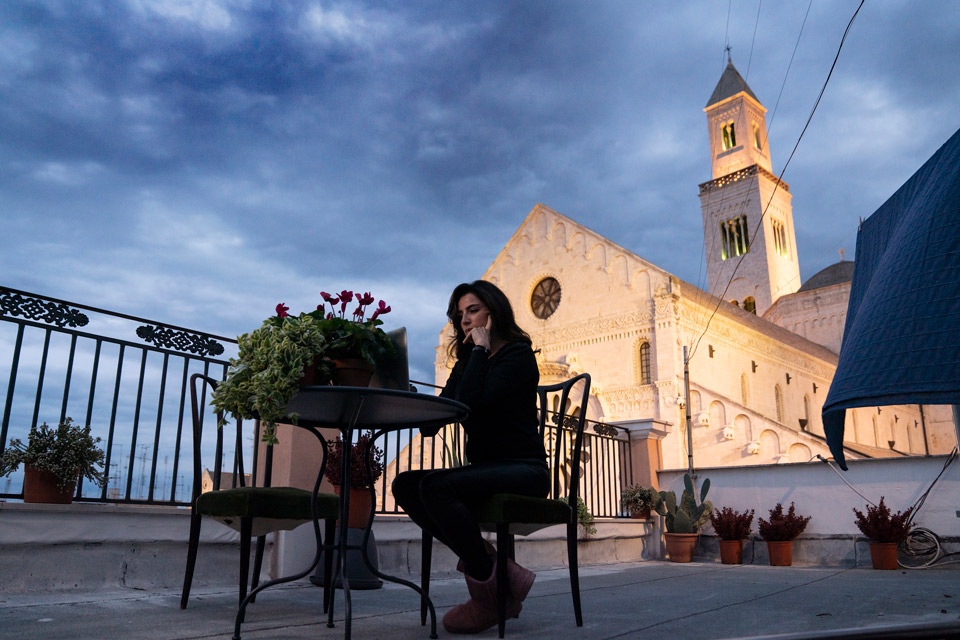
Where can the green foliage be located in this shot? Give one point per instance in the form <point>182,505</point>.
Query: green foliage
<point>689,515</point>
<point>782,526</point>
<point>266,373</point>
<point>635,497</point>
<point>349,339</point>
<point>269,367</point>
<point>68,451</point>
<point>730,524</point>
<point>584,517</point>
<point>881,525</point>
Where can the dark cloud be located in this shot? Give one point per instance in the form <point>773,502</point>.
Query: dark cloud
<point>197,162</point>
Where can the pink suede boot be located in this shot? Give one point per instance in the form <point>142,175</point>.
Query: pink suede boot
<point>479,613</point>
<point>520,579</point>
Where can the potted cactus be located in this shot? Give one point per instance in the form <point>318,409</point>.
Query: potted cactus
<point>684,519</point>
<point>639,500</point>
<point>732,527</point>
<point>779,533</point>
<point>886,531</point>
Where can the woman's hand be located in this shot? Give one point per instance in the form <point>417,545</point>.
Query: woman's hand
<point>480,336</point>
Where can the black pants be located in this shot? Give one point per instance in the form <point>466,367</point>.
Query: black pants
<point>438,501</point>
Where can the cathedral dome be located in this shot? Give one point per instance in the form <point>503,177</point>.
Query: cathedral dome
<point>834,274</point>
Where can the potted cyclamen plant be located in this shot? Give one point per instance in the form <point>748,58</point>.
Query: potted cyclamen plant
<point>779,533</point>
<point>732,527</point>
<point>53,460</point>
<point>886,531</point>
<point>288,352</point>
<point>360,501</point>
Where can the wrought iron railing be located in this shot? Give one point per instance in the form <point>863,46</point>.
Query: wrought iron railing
<point>127,377</point>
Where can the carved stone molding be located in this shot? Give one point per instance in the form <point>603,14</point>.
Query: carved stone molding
<point>596,328</point>
<point>13,304</point>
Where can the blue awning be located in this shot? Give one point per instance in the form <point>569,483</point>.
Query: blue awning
<point>901,341</point>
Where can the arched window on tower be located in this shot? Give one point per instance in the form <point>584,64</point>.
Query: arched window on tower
<point>734,237</point>
<point>757,141</point>
<point>729,136</point>
<point>780,238</point>
<point>778,399</point>
<point>644,361</point>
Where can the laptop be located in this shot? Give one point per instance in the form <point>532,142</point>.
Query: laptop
<point>394,371</point>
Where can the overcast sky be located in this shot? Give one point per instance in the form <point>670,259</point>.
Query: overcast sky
<point>197,162</point>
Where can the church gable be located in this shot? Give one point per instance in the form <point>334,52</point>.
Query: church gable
<point>596,278</point>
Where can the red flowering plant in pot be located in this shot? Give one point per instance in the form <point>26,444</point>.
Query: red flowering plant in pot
<point>779,532</point>
<point>886,531</point>
<point>353,342</point>
<point>360,501</point>
<point>287,352</point>
<point>732,527</point>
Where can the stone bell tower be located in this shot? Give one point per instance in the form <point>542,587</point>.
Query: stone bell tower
<point>747,215</point>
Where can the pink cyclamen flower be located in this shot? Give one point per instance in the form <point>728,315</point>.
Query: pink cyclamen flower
<point>282,310</point>
<point>358,313</point>
<point>328,298</point>
<point>381,309</point>
<point>345,298</point>
<point>365,299</point>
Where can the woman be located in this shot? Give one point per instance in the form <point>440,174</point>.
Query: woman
<point>496,376</point>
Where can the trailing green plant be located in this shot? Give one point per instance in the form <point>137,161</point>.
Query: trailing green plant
<point>358,472</point>
<point>68,452</point>
<point>636,497</point>
<point>584,517</point>
<point>881,525</point>
<point>730,524</point>
<point>688,515</point>
<point>782,526</point>
<point>267,371</point>
<point>272,360</point>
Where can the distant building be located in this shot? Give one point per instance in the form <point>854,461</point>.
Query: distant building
<point>763,348</point>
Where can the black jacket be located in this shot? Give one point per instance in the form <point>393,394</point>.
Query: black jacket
<point>501,391</point>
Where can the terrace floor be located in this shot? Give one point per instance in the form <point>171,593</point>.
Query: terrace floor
<point>645,599</point>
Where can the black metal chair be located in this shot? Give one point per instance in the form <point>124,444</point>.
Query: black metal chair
<point>253,511</point>
<point>510,515</point>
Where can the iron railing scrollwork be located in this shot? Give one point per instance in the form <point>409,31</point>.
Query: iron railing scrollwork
<point>180,340</point>
<point>14,304</point>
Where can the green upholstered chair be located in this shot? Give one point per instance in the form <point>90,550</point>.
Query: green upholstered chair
<point>510,515</point>
<point>253,511</point>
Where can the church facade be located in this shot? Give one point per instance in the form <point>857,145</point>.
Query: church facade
<point>760,348</point>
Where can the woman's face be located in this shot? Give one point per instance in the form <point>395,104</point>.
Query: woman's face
<point>473,313</point>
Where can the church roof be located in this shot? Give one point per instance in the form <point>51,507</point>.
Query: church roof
<point>834,274</point>
<point>731,83</point>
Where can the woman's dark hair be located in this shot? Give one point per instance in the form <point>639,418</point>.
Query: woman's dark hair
<point>504,324</point>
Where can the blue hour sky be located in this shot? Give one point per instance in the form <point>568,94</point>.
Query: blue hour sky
<point>197,162</point>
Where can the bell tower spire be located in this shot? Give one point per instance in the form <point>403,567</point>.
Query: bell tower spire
<point>735,228</point>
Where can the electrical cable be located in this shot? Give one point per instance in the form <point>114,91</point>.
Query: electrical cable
<point>779,178</point>
<point>922,549</point>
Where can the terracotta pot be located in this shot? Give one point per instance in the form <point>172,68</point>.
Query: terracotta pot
<point>352,372</point>
<point>781,552</point>
<point>309,377</point>
<point>360,505</point>
<point>40,485</point>
<point>680,546</point>
<point>731,551</point>
<point>884,555</point>
<point>643,514</point>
